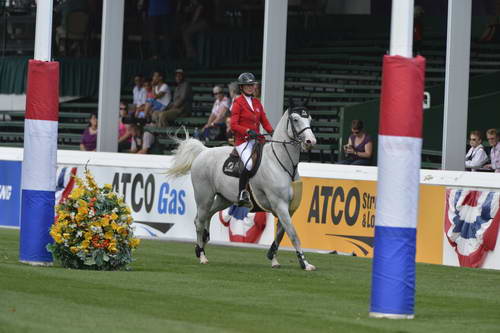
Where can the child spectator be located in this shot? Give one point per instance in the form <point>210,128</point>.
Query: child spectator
<point>161,98</point>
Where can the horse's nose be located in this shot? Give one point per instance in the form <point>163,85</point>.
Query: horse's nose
<point>311,141</point>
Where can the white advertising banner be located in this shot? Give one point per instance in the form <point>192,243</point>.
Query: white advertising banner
<point>165,207</point>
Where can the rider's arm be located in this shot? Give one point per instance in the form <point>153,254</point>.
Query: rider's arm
<point>235,120</point>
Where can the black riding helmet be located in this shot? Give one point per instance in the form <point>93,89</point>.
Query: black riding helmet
<point>246,78</point>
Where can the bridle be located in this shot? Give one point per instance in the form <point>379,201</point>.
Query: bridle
<point>294,141</point>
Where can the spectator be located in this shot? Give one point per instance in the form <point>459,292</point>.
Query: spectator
<point>149,95</point>
<point>66,8</point>
<point>492,136</point>
<point>160,22</point>
<point>183,97</point>
<point>196,17</point>
<point>476,157</point>
<point>88,141</point>
<point>359,147</point>
<point>142,141</point>
<point>215,127</point>
<point>139,93</point>
<point>124,134</point>
<point>234,91</point>
<point>161,98</point>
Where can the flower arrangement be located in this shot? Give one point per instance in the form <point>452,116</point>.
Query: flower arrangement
<point>92,229</point>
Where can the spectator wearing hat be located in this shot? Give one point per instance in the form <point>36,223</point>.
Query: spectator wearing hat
<point>181,105</point>
<point>215,126</point>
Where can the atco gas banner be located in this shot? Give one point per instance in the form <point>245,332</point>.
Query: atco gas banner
<point>10,192</point>
<point>164,207</point>
<point>339,215</point>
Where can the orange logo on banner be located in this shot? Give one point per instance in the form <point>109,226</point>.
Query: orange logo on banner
<point>339,215</point>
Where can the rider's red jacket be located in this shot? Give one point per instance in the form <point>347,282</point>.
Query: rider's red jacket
<point>243,118</point>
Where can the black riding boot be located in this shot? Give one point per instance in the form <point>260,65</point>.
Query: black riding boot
<point>244,196</point>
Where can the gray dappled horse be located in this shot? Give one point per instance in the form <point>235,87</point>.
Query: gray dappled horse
<point>275,186</point>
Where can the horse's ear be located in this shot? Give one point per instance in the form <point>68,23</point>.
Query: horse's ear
<point>306,101</point>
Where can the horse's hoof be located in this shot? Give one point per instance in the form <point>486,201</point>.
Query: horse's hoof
<point>275,263</point>
<point>203,260</point>
<point>310,267</point>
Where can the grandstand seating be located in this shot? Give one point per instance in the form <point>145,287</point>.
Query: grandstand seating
<point>330,75</point>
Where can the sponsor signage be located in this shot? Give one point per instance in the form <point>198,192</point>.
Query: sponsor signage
<point>339,215</point>
<point>10,192</point>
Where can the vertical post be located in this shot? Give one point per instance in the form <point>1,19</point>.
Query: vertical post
<point>40,145</point>
<point>399,149</point>
<point>110,75</point>
<point>456,97</point>
<point>43,32</point>
<point>273,58</point>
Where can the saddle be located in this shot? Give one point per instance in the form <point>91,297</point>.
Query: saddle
<point>233,166</point>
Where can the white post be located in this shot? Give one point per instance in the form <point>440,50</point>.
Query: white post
<point>43,32</point>
<point>110,75</point>
<point>456,96</point>
<point>402,28</point>
<point>273,58</point>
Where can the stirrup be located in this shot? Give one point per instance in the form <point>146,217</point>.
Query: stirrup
<point>244,199</point>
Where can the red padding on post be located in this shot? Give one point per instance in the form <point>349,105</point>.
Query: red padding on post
<point>401,110</point>
<point>42,93</point>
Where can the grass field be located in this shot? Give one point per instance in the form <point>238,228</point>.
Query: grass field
<point>168,291</point>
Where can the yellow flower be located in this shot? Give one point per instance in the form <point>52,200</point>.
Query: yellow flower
<point>57,236</point>
<point>108,187</point>
<point>112,247</point>
<point>87,235</point>
<point>113,216</point>
<point>74,249</point>
<point>134,242</point>
<point>127,210</point>
<point>76,193</point>
<point>66,235</point>
<point>109,235</point>
<point>114,225</point>
<point>85,244</point>
<point>120,200</point>
<point>105,221</point>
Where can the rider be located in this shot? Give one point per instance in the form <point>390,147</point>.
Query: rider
<point>247,114</point>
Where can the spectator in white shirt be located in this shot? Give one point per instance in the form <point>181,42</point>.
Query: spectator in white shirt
<point>215,126</point>
<point>139,93</point>
<point>492,136</point>
<point>476,157</point>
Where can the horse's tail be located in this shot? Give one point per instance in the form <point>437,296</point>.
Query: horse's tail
<point>184,155</point>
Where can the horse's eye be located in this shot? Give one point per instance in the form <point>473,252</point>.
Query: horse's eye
<point>295,119</point>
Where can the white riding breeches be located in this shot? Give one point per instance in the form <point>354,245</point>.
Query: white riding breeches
<point>245,151</point>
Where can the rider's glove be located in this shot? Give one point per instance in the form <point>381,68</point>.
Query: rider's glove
<point>252,134</point>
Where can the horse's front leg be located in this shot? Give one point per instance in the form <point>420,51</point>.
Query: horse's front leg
<point>272,253</point>
<point>286,221</point>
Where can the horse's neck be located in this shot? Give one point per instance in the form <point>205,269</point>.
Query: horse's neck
<point>287,154</point>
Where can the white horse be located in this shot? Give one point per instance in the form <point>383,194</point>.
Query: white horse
<point>271,185</point>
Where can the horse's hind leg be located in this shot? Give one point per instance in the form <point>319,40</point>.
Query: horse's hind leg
<point>284,217</point>
<point>272,253</point>
<point>206,209</point>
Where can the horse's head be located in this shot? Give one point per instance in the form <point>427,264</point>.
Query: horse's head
<point>299,127</point>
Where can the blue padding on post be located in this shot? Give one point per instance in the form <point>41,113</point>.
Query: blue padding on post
<point>37,215</point>
<point>393,274</point>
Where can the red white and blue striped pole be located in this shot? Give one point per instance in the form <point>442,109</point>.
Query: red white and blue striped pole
<point>40,145</point>
<point>399,149</point>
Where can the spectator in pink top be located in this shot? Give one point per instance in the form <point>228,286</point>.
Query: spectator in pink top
<point>124,135</point>
<point>492,136</point>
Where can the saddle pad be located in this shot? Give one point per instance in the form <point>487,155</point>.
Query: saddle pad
<point>232,166</point>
